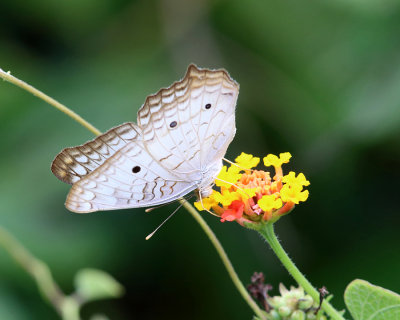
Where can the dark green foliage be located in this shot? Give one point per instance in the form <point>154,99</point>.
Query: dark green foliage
<point>319,79</point>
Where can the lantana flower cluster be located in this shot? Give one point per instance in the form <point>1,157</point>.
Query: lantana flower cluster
<point>247,195</point>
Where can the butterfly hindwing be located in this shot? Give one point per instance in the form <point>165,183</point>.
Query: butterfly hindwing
<point>129,179</point>
<point>71,164</point>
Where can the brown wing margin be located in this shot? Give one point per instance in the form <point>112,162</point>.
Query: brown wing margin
<point>154,102</point>
<point>71,164</point>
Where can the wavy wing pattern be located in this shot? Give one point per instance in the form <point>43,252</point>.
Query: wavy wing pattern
<point>183,132</point>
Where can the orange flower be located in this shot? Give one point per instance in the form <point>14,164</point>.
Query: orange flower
<point>235,211</point>
<point>253,196</point>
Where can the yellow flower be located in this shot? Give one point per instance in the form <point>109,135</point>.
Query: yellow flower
<point>293,193</point>
<point>207,203</point>
<point>247,193</point>
<point>247,161</point>
<point>251,195</point>
<point>269,202</point>
<point>230,175</point>
<point>225,198</point>
<point>292,180</point>
<point>273,160</point>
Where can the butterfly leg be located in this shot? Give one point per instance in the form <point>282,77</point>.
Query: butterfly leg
<point>201,201</point>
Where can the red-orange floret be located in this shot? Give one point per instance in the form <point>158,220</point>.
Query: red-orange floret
<point>234,212</point>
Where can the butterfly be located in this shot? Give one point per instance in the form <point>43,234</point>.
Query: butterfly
<point>177,146</point>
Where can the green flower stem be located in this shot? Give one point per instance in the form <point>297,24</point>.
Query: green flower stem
<point>23,85</point>
<point>267,231</point>
<point>224,257</point>
<point>67,307</point>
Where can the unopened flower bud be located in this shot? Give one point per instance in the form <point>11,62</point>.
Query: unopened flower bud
<point>276,302</point>
<point>293,304</point>
<point>298,315</point>
<point>311,315</point>
<point>274,315</point>
<point>284,311</point>
<point>305,303</point>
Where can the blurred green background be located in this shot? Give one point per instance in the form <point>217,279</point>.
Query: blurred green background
<point>320,79</point>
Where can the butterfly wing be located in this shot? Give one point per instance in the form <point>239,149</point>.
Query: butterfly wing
<point>181,131</point>
<point>131,178</point>
<point>71,164</point>
<point>188,126</point>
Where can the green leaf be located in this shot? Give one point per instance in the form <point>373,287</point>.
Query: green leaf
<point>368,302</point>
<point>93,284</point>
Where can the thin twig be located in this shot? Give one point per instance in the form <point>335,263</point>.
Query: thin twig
<point>23,85</point>
<point>224,257</point>
<point>40,272</point>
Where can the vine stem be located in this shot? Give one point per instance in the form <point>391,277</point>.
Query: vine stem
<point>267,231</point>
<point>67,307</point>
<point>224,257</point>
<point>23,85</point>
<point>195,214</point>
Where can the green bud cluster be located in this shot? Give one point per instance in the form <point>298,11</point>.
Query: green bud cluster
<point>293,304</point>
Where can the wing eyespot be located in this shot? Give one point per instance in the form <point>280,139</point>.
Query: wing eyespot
<point>173,124</point>
<point>208,106</point>
<point>136,169</point>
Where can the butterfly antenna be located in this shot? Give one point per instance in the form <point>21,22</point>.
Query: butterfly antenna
<point>201,201</point>
<point>236,165</point>
<point>187,197</point>
<point>151,234</point>
<point>232,184</point>
<point>153,208</point>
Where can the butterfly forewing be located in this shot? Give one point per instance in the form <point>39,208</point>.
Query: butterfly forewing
<point>217,117</point>
<point>180,132</point>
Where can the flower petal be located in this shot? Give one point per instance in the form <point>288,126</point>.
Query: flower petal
<point>291,179</point>
<point>247,161</point>
<point>227,177</point>
<point>269,202</point>
<point>234,212</point>
<point>273,160</point>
